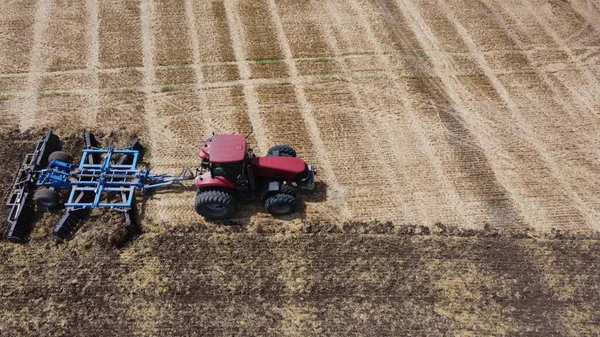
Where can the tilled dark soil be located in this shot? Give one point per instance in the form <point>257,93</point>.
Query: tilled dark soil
<point>372,279</point>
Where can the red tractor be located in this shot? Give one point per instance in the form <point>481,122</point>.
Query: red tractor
<point>232,171</point>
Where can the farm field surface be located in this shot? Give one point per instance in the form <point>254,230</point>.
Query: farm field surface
<point>457,143</point>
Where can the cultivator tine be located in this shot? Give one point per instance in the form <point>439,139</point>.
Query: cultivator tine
<point>128,159</point>
<point>22,211</point>
<point>89,142</point>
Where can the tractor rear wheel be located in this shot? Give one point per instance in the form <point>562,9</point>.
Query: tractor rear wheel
<point>46,197</point>
<point>281,151</point>
<point>62,156</point>
<point>280,204</point>
<point>214,204</point>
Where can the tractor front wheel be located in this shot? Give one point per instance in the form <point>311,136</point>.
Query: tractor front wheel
<point>214,204</point>
<point>46,198</point>
<point>281,151</point>
<point>62,156</point>
<point>280,204</point>
<point>287,189</point>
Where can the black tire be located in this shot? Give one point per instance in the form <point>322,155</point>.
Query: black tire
<point>287,189</point>
<point>62,156</point>
<point>283,150</point>
<point>281,204</point>
<point>215,205</point>
<point>46,198</point>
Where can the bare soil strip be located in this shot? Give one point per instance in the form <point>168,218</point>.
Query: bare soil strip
<point>172,40</point>
<point>120,34</point>
<point>92,37</point>
<point>65,35</point>
<point>216,46</point>
<point>36,64</point>
<point>232,281</point>
<point>17,22</point>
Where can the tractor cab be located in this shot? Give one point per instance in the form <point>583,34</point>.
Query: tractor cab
<point>226,156</point>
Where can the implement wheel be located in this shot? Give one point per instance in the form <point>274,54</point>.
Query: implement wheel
<point>46,198</point>
<point>281,151</point>
<point>62,156</point>
<point>214,204</point>
<point>280,204</point>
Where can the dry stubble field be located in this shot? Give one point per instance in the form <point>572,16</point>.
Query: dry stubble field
<point>457,144</point>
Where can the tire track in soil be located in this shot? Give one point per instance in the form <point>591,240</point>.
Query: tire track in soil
<point>205,52</point>
<point>395,207</point>
<point>544,21</point>
<point>572,148</point>
<point>36,64</point>
<point>564,207</point>
<point>192,29</point>
<point>226,108</point>
<point>179,105</point>
<point>420,161</point>
<point>482,197</point>
<point>92,38</point>
<point>320,154</point>
<point>65,35</point>
<point>518,26</point>
<point>441,62</point>
<point>148,315</point>
<point>250,95</point>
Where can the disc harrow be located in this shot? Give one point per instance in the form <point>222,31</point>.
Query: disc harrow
<point>104,178</point>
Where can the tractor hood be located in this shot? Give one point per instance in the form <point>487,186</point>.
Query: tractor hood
<point>283,168</point>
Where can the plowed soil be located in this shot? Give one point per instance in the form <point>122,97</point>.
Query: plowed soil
<point>456,141</point>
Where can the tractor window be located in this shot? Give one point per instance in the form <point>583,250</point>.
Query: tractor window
<point>231,171</point>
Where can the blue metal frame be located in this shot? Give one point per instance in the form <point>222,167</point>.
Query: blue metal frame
<point>102,179</point>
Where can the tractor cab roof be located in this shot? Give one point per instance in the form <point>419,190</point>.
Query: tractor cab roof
<point>227,149</point>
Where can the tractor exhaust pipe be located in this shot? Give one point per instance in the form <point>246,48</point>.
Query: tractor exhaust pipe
<point>251,130</point>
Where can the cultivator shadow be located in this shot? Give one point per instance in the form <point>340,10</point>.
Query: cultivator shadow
<point>104,178</point>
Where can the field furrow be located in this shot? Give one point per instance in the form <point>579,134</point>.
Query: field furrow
<point>37,64</point>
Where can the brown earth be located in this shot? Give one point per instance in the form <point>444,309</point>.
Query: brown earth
<point>481,115</point>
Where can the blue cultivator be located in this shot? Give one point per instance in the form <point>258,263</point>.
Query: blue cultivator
<point>104,178</point>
